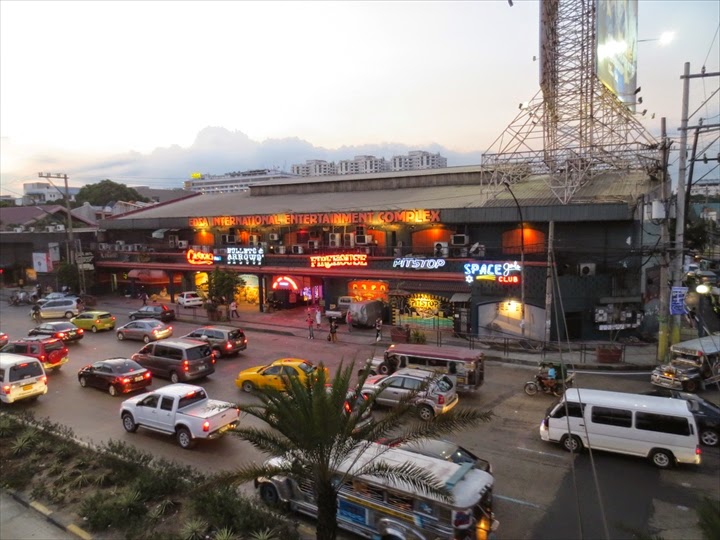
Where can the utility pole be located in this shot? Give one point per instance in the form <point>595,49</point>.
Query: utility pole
<point>549,282</point>
<point>664,311</point>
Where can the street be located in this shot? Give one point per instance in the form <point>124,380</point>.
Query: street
<point>540,491</point>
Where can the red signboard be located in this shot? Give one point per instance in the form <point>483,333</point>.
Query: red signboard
<point>340,259</point>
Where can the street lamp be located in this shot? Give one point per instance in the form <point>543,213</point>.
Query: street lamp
<point>664,39</point>
<point>522,259</point>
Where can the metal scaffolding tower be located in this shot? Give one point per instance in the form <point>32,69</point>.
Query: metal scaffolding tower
<point>574,127</point>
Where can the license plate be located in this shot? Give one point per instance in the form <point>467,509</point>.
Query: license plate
<point>138,378</point>
<point>202,366</point>
<point>27,387</point>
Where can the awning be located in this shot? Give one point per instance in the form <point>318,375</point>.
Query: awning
<point>147,276</point>
<point>460,297</point>
<point>159,233</point>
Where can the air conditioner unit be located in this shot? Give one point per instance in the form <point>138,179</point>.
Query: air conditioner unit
<point>280,250</point>
<point>459,251</point>
<point>459,240</point>
<point>120,242</point>
<point>297,249</point>
<point>477,250</point>
<point>59,227</point>
<point>363,239</point>
<point>228,239</point>
<point>182,244</point>
<point>18,229</point>
<point>335,240</point>
<point>130,247</point>
<point>274,237</point>
<point>264,246</point>
<point>103,246</point>
<point>349,240</point>
<point>173,240</point>
<point>139,247</point>
<point>254,239</point>
<point>49,228</point>
<point>586,269</point>
<point>440,249</point>
<point>31,229</point>
<point>313,244</point>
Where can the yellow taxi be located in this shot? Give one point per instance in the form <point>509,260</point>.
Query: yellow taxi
<point>273,375</point>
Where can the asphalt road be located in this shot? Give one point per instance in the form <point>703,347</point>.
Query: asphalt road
<point>540,491</point>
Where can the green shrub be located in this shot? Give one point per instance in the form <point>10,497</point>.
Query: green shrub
<point>163,479</point>
<point>417,336</point>
<point>121,510</point>
<point>17,476</point>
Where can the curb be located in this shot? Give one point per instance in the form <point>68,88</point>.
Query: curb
<point>49,515</point>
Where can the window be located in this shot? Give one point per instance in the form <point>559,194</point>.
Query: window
<point>575,410</point>
<point>412,384</point>
<point>400,502</point>
<point>273,370</point>
<point>167,403</point>
<point>612,417</point>
<point>150,401</point>
<point>26,370</point>
<point>675,425</point>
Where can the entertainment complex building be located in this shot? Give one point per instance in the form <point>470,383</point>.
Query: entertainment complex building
<point>442,248</point>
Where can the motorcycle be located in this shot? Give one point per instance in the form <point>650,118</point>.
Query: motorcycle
<point>540,385</point>
<point>20,298</point>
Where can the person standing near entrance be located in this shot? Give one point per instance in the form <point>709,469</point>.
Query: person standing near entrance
<point>348,320</point>
<point>233,310</point>
<point>144,298</point>
<point>318,317</point>
<point>310,325</point>
<point>333,331</point>
<point>378,329</point>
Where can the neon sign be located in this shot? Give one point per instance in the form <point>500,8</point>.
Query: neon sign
<point>418,264</point>
<point>285,282</point>
<point>500,272</point>
<point>341,259</point>
<point>245,256</point>
<point>198,257</point>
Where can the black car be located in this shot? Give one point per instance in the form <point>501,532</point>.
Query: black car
<point>64,330</point>
<point>706,413</point>
<point>115,375</point>
<point>161,312</point>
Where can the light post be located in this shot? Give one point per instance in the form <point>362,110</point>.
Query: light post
<point>522,259</point>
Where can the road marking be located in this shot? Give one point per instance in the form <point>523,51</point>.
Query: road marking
<point>541,453</point>
<point>517,501</point>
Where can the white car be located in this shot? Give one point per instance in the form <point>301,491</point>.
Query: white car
<point>189,299</point>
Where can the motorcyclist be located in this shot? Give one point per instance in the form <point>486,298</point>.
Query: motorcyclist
<point>36,312</point>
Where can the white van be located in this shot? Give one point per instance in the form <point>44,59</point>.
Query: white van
<point>21,377</point>
<point>660,429</point>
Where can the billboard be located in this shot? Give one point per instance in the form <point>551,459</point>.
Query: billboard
<point>617,28</point>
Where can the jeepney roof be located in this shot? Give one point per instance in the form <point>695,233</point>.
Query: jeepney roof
<point>707,345</point>
<point>446,353</point>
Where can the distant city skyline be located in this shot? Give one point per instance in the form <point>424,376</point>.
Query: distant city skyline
<point>114,90</point>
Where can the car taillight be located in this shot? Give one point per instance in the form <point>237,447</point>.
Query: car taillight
<point>42,357</point>
<point>97,321</point>
<point>6,389</point>
<point>60,335</point>
<point>44,379</point>
<point>206,426</point>
<point>155,332</point>
<point>228,346</point>
<point>186,365</point>
<point>348,408</point>
<point>698,451</point>
<point>125,380</point>
<point>80,330</point>
<point>441,399</point>
<point>147,375</point>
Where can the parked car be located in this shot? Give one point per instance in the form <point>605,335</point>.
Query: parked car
<point>115,375</point>
<point>161,312</point>
<point>59,308</point>
<point>706,413</point>
<point>189,299</point>
<point>177,359</point>
<point>182,410</point>
<point>442,449</point>
<point>94,321</point>
<point>272,375</point>
<point>146,330</point>
<point>21,378</point>
<point>226,340</point>
<point>66,331</point>
<point>52,352</point>
<point>436,394</point>
<point>4,338</point>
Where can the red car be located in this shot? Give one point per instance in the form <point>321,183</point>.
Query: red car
<point>52,352</point>
<point>3,339</point>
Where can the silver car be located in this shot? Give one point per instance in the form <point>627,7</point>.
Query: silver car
<point>436,394</point>
<point>146,330</point>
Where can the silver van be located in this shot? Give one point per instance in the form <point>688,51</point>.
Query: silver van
<point>57,309</point>
<point>21,377</point>
<point>179,360</point>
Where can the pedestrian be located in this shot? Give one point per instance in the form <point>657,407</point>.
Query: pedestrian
<point>310,324</point>
<point>348,321</point>
<point>144,298</point>
<point>378,329</point>
<point>233,310</point>
<point>318,316</point>
<point>333,331</point>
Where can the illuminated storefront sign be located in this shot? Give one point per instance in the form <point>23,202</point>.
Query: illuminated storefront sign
<point>245,256</point>
<point>418,264</point>
<point>369,290</point>
<point>320,218</point>
<point>501,272</point>
<point>199,257</point>
<point>284,282</point>
<point>341,259</point>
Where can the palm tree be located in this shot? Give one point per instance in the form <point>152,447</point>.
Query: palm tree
<point>311,429</point>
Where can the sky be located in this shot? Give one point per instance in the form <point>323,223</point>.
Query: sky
<point>147,93</point>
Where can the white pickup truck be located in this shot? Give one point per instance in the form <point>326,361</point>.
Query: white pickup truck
<point>182,410</point>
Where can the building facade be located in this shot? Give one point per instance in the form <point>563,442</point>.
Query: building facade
<point>233,182</point>
<point>418,160</point>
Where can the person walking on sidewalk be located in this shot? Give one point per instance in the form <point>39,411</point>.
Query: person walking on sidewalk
<point>233,310</point>
<point>310,325</point>
<point>318,316</point>
<point>378,329</point>
<point>348,320</point>
<point>144,298</point>
<point>333,331</point>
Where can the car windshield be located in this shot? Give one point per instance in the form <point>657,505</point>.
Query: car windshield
<point>235,334</point>
<point>198,353</point>
<point>191,398</point>
<point>26,370</point>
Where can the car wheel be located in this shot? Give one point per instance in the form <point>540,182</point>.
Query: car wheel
<point>425,412</point>
<point>662,459</point>
<point>132,317</point>
<point>269,494</point>
<point>383,369</point>
<point>531,388</point>
<point>69,315</point>
<point>129,423</point>
<point>247,386</point>
<point>112,390</point>
<point>571,443</point>
<point>691,386</point>
<point>709,437</point>
<point>174,378</point>
<point>94,329</point>
<point>146,339</point>
<point>83,382</point>
<point>120,336</point>
<point>184,438</point>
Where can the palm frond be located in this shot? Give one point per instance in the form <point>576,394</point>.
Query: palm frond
<point>265,440</point>
<point>417,477</point>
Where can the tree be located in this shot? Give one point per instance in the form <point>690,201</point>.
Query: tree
<point>223,284</point>
<point>310,428</point>
<point>106,191</point>
<point>69,274</point>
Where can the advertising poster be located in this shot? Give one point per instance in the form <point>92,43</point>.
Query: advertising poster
<point>42,262</point>
<point>617,28</point>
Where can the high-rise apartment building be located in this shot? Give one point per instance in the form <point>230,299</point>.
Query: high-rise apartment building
<point>233,182</point>
<point>418,159</point>
<point>315,167</point>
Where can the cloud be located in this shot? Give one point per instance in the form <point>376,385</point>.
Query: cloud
<point>216,150</point>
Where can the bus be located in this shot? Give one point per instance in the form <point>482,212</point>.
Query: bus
<point>374,507</point>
